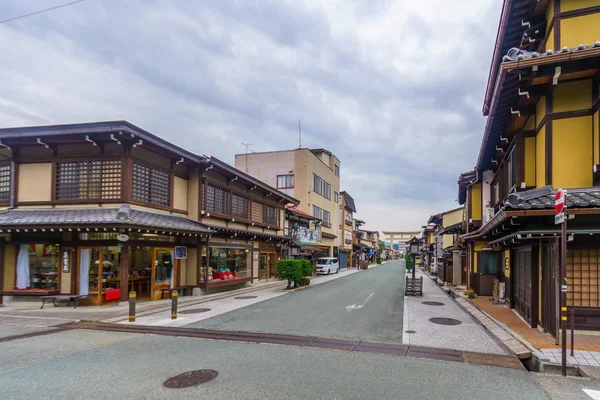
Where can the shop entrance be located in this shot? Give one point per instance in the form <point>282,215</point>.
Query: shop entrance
<point>150,271</point>
<point>267,266</point>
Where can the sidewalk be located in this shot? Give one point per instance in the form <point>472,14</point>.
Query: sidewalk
<point>116,313</point>
<point>466,335</point>
<point>509,327</point>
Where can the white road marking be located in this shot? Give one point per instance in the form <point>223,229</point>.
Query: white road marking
<point>356,307</point>
<point>594,394</point>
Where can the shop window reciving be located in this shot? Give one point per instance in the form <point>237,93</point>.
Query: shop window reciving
<point>151,185</point>
<point>88,180</point>
<point>4,183</point>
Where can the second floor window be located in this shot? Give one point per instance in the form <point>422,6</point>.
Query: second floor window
<point>151,185</point>
<point>88,180</point>
<point>271,216</point>
<point>326,218</point>
<point>337,170</point>
<point>217,199</point>
<point>4,183</point>
<point>240,206</point>
<point>285,181</point>
<point>317,212</point>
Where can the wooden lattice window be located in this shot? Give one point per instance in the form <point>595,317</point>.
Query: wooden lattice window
<point>583,268</point>
<point>217,199</point>
<point>258,212</point>
<point>239,206</point>
<point>4,183</point>
<point>151,185</point>
<point>88,180</point>
<point>271,216</point>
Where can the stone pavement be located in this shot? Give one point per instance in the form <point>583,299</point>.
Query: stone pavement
<point>511,342</point>
<point>535,337</point>
<point>467,335</point>
<point>523,340</point>
<point>554,356</point>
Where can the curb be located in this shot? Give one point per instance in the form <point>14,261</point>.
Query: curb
<point>513,344</point>
<point>193,302</point>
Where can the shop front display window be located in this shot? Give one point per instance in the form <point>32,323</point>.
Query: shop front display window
<point>44,266</point>
<point>164,267</point>
<point>228,263</point>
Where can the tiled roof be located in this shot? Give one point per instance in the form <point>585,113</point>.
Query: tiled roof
<point>543,198</point>
<point>299,212</point>
<point>122,216</point>
<point>507,84</point>
<point>516,54</point>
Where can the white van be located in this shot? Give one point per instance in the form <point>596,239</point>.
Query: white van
<point>328,265</point>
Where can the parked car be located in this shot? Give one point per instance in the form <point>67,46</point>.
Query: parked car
<point>328,265</point>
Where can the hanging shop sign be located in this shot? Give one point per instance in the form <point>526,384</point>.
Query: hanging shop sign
<point>122,237</point>
<point>180,252</point>
<point>66,262</point>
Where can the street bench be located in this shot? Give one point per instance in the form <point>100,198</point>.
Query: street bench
<point>60,297</point>
<point>414,287</point>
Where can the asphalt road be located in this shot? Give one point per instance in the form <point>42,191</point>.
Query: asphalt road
<point>367,305</point>
<point>103,365</point>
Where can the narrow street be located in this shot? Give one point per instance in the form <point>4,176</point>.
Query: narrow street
<point>367,305</point>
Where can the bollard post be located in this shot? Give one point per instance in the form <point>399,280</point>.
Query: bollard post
<point>572,332</point>
<point>174,294</point>
<point>131,306</point>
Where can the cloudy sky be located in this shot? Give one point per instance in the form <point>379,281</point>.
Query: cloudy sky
<point>393,87</point>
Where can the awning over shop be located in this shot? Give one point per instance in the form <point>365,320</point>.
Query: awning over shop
<point>243,234</point>
<point>328,235</point>
<point>516,237</point>
<point>99,217</point>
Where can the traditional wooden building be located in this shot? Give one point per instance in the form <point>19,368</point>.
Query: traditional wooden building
<point>347,210</point>
<point>542,133</point>
<point>95,208</point>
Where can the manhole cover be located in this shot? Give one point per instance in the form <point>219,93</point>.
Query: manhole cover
<point>194,311</point>
<point>410,331</point>
<point>445,321</point>
<point>432,303</point>
<point>190,378</point>
<point>245,297</point>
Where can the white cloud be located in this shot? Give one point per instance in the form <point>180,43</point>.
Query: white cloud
<point>393,88</point>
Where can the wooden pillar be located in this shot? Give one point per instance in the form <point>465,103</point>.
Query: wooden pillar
<point>124,273</point>
<point>199,263</point>
<point>1,266</point>
<point>206,266</point>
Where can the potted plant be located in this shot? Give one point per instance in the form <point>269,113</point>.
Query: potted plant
<point>470,293</point>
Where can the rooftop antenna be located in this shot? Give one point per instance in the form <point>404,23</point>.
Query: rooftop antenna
<point>299,134</point>
<point>247,145</point>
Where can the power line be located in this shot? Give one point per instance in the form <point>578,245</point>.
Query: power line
<point>41,11</point>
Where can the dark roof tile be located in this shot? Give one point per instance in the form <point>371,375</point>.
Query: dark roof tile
<point>124,216</point>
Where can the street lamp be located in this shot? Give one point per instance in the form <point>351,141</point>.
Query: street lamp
<point>414,246</point>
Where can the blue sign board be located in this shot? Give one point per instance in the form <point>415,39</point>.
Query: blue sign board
<point>180,252</point>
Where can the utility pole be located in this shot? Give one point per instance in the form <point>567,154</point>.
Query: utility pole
<point>247,145</point>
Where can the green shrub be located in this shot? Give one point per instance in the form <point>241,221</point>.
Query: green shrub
<point>378,260</point>
<point>304,281</point>
<point>307,268</point>
<point>290,270</point>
